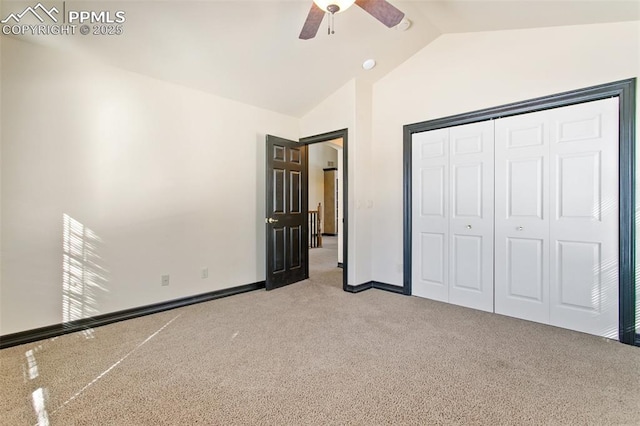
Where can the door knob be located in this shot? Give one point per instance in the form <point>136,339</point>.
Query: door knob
<point>519,228</point>
<point>468,226</point>
<point>271,220</point>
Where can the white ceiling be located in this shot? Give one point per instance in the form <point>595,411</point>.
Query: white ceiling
<point>249,50</point>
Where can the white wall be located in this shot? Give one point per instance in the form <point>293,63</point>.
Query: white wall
<point>316,178</point>
<point>319,155</point>
<point>347,108</point>
<point>168,179</point>
<point>459,73</point>
<point>362,188</point>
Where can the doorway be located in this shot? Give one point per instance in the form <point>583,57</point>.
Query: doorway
<point>327,160</point>
<point>325,166</point>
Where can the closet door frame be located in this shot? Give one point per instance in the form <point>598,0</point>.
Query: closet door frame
<point>625,91</point>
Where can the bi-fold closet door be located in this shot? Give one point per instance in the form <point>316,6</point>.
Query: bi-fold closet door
<point>545,207</point>
<point>556,227</point>
<point>453,215</point>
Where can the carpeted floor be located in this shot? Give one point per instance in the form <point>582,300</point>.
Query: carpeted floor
<point>324,259</point>
<point>310,353</point>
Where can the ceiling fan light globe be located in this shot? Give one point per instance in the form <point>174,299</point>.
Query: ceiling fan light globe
<point>342,4</point>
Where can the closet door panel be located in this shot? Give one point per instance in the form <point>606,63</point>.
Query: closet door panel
<point>471,219</point>
<point>584,222</point>
<point>522,216</point>
<point>524,186</point>
<point>525,269</point>
<point>430,215</point>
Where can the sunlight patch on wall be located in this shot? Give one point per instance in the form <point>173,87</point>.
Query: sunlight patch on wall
<point>83,278</point>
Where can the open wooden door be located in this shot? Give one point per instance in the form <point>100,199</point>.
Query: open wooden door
<point>287,211</point>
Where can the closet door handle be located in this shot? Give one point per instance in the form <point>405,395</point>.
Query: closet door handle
<point>468,226</point>
<point>519,228</point>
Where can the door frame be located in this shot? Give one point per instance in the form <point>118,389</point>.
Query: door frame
<point>326,137</point>
<point>625,90</point>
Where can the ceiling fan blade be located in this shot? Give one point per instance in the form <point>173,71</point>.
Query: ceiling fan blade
<point>383,11</point>
<point>311,25</point>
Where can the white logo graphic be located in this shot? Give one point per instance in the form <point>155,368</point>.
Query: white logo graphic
<point>34,11</point>
<point>52,22</point>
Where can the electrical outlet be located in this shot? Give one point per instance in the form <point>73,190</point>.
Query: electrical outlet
<point>204,273</point>
<point>165,280</point>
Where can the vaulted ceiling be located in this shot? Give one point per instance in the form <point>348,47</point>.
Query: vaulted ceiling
<point>249,51</point>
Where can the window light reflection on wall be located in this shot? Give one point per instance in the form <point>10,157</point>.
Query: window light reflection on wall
<point>83,279</point>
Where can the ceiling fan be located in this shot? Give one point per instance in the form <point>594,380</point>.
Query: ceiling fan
<point>382,10</point>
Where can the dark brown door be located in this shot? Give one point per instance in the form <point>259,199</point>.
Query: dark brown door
<point>287,211</point>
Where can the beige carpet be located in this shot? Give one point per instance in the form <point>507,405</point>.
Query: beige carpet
<point>312,354</point>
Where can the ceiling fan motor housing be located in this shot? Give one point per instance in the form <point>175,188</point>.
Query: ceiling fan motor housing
<point>334,6</point>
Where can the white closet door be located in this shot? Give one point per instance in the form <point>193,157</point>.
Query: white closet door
<point>584,219</point>
<point>547,250</point>
<point>430,199</point>
<point>522,216</point>
<point>556,225</point>
<point>471,215</point>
